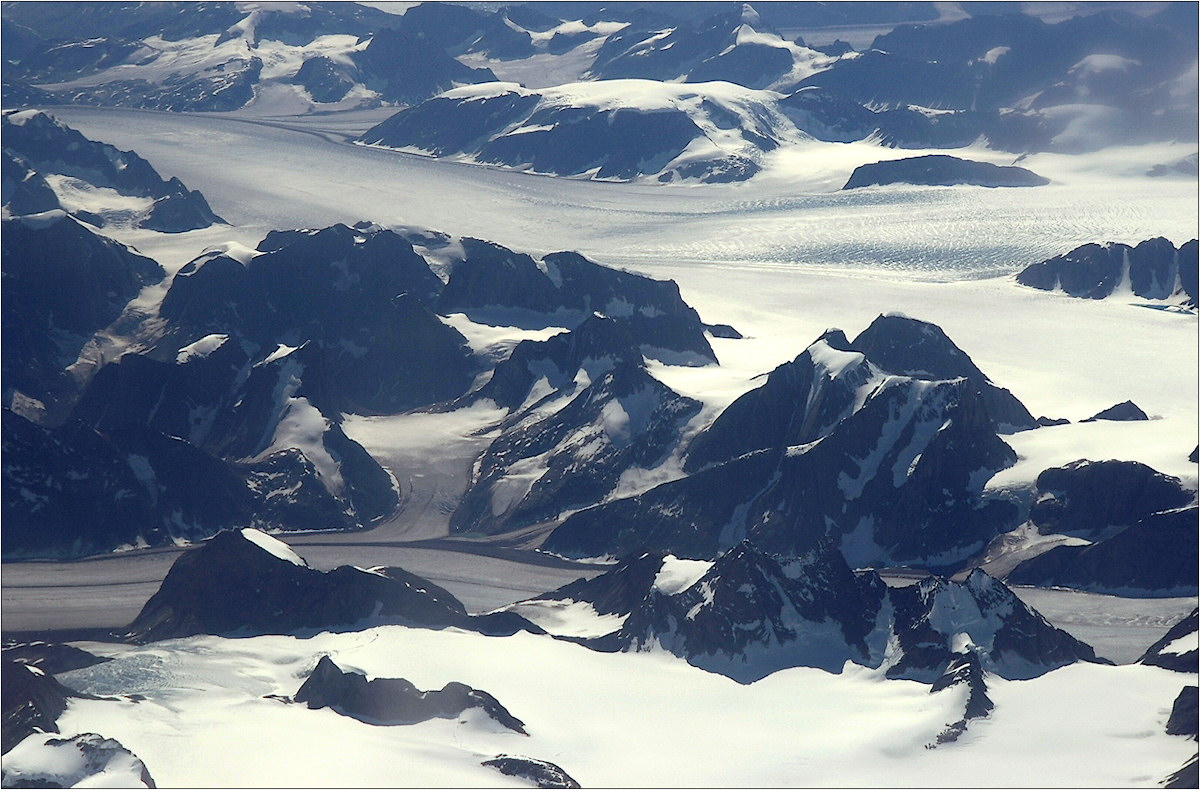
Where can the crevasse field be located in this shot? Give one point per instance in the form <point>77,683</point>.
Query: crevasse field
<point>781,257</point>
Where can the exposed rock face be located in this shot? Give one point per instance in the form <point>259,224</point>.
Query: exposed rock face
<point>75,762</point>
<point>49,146</point>
<point>33,701</point>
<point>371,341</point>
<point>407,68</point>
<point>748,614</point>
<point>1126,411</point>
<point>831,444</point>
<point>1183,720</point>
<point>1153,269</point>
<point>1088,499</point>
<point>624,419</point>
<point>73,491</point>
<point>1012,639</point>
<point>964,670</point>
<point>50,657</point>
<point>942,170</point>
<point>1186,776</point>
<point>493,283</point>
<point>24,190</point>
<point>244,582</point>
<point>395,700</point>
<point>539,773</point>
<point>62,284</point>
<point>1157,556</point>
<point>1178,649</point>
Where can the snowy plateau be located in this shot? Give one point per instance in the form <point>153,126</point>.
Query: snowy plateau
<point>571,394</point>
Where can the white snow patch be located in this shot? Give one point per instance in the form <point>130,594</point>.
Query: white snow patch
<point>201,348</point>
<point>273,546</point>
<point>676,574</point>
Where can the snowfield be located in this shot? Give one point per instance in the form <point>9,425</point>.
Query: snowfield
<point>611,720</point>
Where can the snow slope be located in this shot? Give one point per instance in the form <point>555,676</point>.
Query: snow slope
<point>612,719</point>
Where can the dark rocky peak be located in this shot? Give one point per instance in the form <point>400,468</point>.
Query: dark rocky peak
<point>1183,719</point>
<point>408,68</point>
<point>33,701</point>
<point>1189,271</point>
<point>910,347</point>
<point>62,284</point>
<point>799,402</point>
<point>492,277</point>
<point>317,272</point>
<point>595,347</point>
<point>1089,499</point>
<point>746,617</point>
<point>696,516</point>
<point>623,420</point>
<point>936,619</point>
<point>1155,557</point>
<point>619,590</point>
<point>395,701</point>
<point>907,468</point>
<point>458,30</point>
<point>539,773</point>
<point>1178,649</point>
<point>23,190</point>
<point>1126,411</point>
<point>245,582</point>
<point>354,299</point>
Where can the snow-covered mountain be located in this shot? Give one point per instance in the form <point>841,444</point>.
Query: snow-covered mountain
<point>609,129</point>
<point>850,440</point>
<point>38,149</point>
<point>748,614</point>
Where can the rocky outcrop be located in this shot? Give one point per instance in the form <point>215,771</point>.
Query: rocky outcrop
<point>33,701</point>
<point>1153,269</point>
<point>1179,648</point>
<point>1157,556</point>
<point>538,773</point>
<point>1126,411</point>
<point>1091,499</point>
<point>244,582</point>
<point>395,700</point>
<point>50,657</point>
<point>966,670</point>
<point>942,170</point>
<point>1183,719</point>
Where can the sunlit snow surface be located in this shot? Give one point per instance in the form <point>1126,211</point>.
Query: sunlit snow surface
<point>612,720</point>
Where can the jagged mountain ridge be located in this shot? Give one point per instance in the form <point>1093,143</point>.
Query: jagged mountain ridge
<point>833,443</point>
<point>748,614</point>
